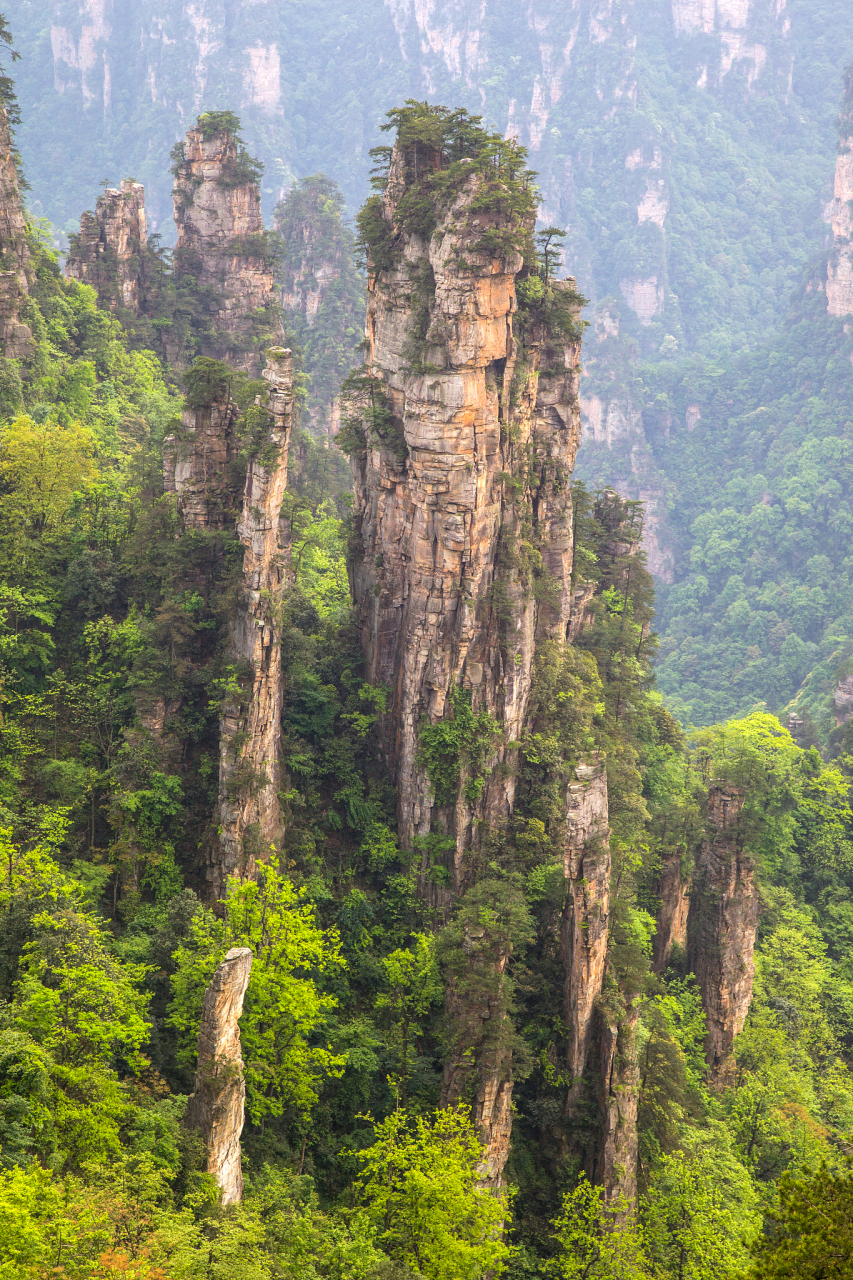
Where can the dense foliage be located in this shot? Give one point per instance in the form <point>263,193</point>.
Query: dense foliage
<point>113,641</point>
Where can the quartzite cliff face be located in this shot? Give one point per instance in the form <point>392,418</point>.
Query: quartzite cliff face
<point>222,248</point>
<point>216,1108</point>
<point>470,479</point>
<point>109,251</point>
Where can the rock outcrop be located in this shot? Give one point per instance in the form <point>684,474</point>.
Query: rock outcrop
<point>108,253</point>
<point>250,728</point>
<point>462,497</point>
<point>216,1107</point>
<point>722,927</point>
<point>222,249</point>
<point>616,1163</point>
<point>16,339</point>
<point>674,894</point>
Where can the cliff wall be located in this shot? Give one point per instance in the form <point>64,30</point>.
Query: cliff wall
<point>839,215</point>
<point>108,252</point>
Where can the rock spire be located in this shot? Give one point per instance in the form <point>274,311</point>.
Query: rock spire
<point>109,251</point>
<point>469,425</point>
<point>222,250</point>
<point>722,927</point>
<point>839,268</point>
<point>216,1107</point>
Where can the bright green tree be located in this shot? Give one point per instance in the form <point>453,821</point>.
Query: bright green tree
<point>597,1240</point>
<point>285,1007</point>
<point>812,1230</point>
<point>419,1192</point>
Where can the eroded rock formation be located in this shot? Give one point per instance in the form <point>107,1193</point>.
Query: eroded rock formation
<point>250,728</point>
<point>222,247</point>
<point>722,926</point>
<point>616,1164</point>
<point>109,251</point>
<point>216,1107</point>
<point>16,339</point>
<point>462,483</point>
<point>585,917</point>
<point>674,894</point>
<point>198,462</point>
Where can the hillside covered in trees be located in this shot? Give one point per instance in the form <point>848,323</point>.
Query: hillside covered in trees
<point>365,910</point>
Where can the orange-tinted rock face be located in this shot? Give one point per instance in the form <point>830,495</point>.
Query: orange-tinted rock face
<point>110,247</point>
<point>723,922</point>
<point>468,486</point>
<point>216,1107</point>
<point>489,436</point>
<point>221,247</point>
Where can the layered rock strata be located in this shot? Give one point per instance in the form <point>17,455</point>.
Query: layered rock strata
<point>460,490</point>
<point>250,728</point>
<point>108,253</point>
<point>216,1108</point>
<point>16,339</point>
<point>616,1164</point>
<point>222,249</point>
<point>722,927</point>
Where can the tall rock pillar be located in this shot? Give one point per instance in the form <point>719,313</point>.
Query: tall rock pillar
<point>722,927</point>
<point>222,252</point>
<point>108,252</point>
<point>217,1106</point>
<point>250,729</point>
<point>463,523</point>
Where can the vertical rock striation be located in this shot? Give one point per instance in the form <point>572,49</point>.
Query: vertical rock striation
<point>722,926</point>
<point>198,462</point>
<point>250,727</point>
<point>216,1107</point>
<point>108,253</point>
<point>674,894</point>
<point>585,916</point>
<point>16,339</point>
<point>222,250</point>
<point>462,499</point>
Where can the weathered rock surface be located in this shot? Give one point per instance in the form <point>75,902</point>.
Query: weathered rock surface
<point>109,251</point>
<point>250,729</point>
<point>222,247</point>
<point>674,894</point>
<point>16,339</point>
<point>586,914</point>
<point>616,1164</point>
<point>198,462</point>
<point>842,701</point>
<point>470,477</point>
<point>216,1107</point>
<point>722,926</point>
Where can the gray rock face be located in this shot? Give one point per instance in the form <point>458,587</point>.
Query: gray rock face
<point>216,1108</point>
<point>722,927</point>
<point>16,339</point>
<point>110,247</point>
